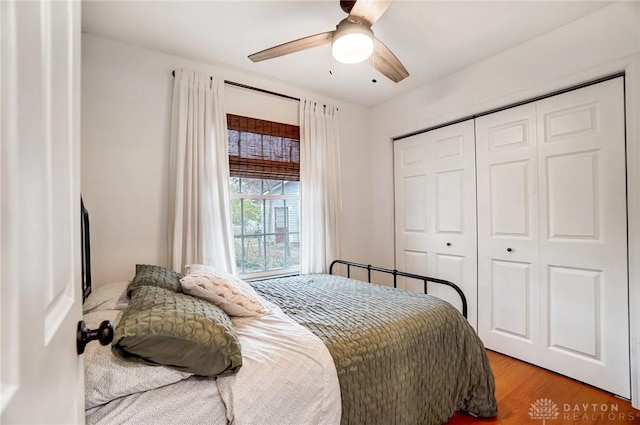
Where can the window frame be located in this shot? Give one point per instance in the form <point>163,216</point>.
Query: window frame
<point>241,167</point>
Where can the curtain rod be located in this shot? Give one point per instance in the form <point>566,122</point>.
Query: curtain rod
<point>244,86</point>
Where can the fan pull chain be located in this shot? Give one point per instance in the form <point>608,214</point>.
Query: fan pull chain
<point>373,68</point>
<point>330,63</point>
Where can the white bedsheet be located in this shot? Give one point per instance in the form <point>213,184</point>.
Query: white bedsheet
<point>287,377</point>
<point>193,401</point>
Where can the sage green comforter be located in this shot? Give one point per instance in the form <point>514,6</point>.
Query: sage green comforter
<point>401,357</point>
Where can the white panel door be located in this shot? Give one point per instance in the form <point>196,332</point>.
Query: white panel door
<point>583,235</point>
<point>508,284</point>
<point>41,373</point>
<point>411,163</point>
<point>552,234</point>
<point>435,211</point>
<point>412,208</point>
<point>453,245</point>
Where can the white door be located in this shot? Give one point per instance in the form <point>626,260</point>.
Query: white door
<point>508,284</point>
<point>559,298</point>
<point>583,235</point>
<point>436,211</point>
<point>41,373</point>
<point>412,208</point>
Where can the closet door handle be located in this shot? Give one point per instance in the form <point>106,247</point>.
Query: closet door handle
<point>509,250</point>
<point>448,243</point>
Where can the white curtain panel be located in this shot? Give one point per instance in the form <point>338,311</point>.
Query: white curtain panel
<point>319,187</point>
<point>200,218</point>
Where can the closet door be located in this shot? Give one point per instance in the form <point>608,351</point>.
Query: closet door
<point>412,207</point>
<point>435,211</point>
<point>583,235</point>
<point>552,235</point>
<point>508,281</point>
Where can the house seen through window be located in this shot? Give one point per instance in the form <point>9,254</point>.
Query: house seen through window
<point>264,168</point>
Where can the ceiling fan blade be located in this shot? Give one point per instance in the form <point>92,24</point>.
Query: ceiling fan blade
<point>293,46</point>
<point>387,63</point>
<point>370,10</point>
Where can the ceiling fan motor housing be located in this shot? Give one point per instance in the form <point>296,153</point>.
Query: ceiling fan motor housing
<point>352,41</point>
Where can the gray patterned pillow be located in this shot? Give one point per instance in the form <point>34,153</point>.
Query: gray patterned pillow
<point>161,327</point>
<point>147,275</point>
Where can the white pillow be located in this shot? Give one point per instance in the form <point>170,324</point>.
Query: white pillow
<point>112,296</point>
<point>233,295</point>
<point>107,377</point>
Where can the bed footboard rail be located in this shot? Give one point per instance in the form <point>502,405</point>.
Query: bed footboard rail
<point>395,273</point>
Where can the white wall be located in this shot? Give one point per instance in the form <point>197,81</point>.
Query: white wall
<point>550,62</point>
<point>126,111</point>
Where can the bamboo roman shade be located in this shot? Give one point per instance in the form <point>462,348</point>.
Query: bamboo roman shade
<point>263,149</point>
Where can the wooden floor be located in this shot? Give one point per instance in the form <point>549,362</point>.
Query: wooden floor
<point>519,385</point>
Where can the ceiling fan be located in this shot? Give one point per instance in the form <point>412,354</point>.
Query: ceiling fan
<point>352,41</point>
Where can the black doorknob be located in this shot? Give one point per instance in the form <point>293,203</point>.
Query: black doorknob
<point>104,334</point>
<point>448,243</point>
<point>509,250</point>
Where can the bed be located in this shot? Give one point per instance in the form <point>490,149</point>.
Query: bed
<point>326,349</point>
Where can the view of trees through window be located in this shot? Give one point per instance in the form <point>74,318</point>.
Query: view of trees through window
<point>265,215</point>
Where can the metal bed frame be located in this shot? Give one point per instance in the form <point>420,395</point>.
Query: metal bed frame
<point>397,273</point>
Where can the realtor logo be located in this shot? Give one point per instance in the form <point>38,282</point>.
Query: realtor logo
<point>544,409</point>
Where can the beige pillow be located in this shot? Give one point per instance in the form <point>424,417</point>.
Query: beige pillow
<point>233,295</point>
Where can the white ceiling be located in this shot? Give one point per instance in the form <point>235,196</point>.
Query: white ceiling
<point>431,38</point>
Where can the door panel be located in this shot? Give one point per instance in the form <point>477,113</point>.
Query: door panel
<point>451,268</point>
<point>575,293</point>
<point>510,135</point>
<point>435,211</point>
<point>449,201</point>
<point>448,148</point>
<point>415,204</point>
<point>508,295</point>
<point>575,121</point>
<point>411,198</point>
<point>412,262</point>
<point>509,188</point>
<point>572,196</point>
<point>412,157</point>
<point>583,235</point>
<point>453,246</point>
<point>40,181</point>
<point>511,301</point>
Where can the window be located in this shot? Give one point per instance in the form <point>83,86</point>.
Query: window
<point>264,168</point>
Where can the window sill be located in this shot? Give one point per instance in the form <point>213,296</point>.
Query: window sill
<point>289,271</point>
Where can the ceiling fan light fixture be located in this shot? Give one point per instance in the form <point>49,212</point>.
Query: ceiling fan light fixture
<point>352,42</point>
